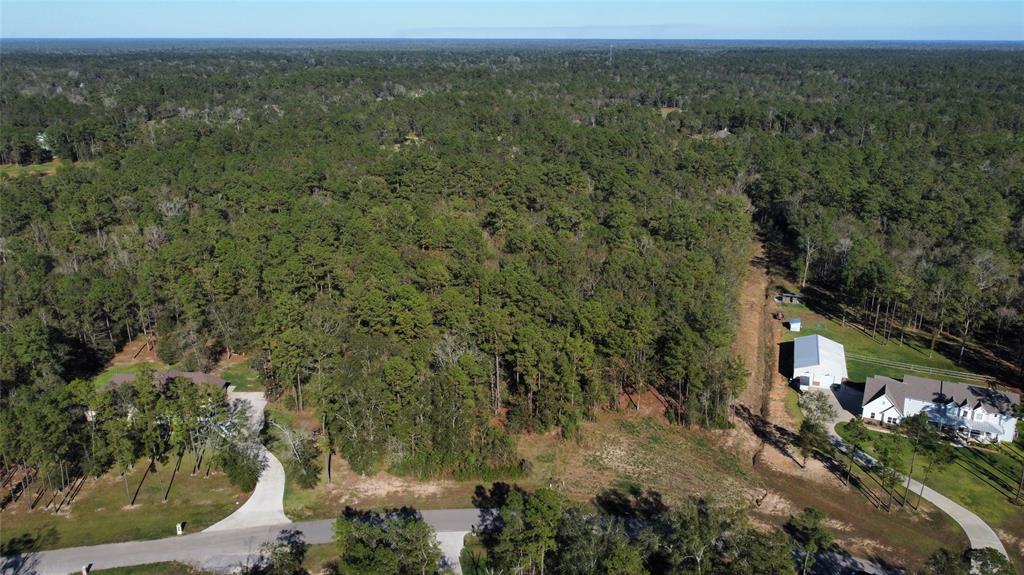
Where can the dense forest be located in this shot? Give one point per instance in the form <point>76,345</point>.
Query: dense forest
<point>439,248</point>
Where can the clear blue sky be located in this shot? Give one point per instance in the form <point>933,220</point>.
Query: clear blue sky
<point>665,19</point>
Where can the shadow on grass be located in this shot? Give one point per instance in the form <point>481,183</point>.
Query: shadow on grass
<point>19,556</point>
<point>776,436</point>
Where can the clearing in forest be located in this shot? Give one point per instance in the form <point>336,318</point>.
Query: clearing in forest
<point>869,353</point>
<point>765,424</point>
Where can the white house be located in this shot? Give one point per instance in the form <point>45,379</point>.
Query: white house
<point>980,412</point>
<point>818,362</point>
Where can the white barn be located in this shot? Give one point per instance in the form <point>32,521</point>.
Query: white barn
<point>818,362</point>
<point>975,411</point>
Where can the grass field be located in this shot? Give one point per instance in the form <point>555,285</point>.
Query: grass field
<point>857,342</point>
<point>100,513</point>
<point>982,480</point>
<point>104,377</point>
<point>317,555</point>
<point>167,568</point>
<point>793,406</point>
<point>617,448</point>
<point>242,376</point>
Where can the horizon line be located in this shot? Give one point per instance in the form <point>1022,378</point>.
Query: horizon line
<point>517,38</point>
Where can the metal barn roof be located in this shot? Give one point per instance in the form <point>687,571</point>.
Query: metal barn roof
<point>815,350</point>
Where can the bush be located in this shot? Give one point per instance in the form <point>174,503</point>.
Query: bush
<point>243,466</point>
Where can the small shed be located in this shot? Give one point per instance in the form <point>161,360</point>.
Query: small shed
<point>787,297</point>
<point>794,324</point>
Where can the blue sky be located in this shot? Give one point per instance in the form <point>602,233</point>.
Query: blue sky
<point>664,19</point>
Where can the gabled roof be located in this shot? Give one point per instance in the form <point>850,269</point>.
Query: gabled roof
<point>932,390</point>
<point>879,385</point>
<point>815,350</point>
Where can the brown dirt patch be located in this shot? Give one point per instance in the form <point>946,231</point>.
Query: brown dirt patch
<point>136,351</point>
<point>381,490</point>
<point>225,361</point>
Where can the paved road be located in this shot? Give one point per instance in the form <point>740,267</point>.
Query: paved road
<point>978,532</point>
<point>220,550</point>
<point>266,504</point>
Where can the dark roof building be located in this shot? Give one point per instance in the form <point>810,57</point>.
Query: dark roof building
<point>164,378</point>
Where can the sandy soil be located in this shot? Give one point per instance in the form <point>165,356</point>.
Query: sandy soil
<point>124,357</point>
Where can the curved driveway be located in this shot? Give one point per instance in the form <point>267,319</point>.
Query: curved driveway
<point>266,504</point>
<point>978,532</point>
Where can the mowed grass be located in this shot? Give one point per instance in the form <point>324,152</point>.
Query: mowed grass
<point>856,341</point>
<point>793,406</point>
<point>981,479</point>
<point>242,376</point>
<point>100,512</point>
<point>167,568</point>
<point>104,377</point>
<point>317,555</point>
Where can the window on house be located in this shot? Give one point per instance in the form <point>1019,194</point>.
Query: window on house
<point>872,415</point>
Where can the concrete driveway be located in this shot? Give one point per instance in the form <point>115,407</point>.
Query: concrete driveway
<point>266,504</point>
<point>846,401</point>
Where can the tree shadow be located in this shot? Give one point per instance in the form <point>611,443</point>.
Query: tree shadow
<point>786,359</point>
<point>839,561</point>
<point>20,554</point>
<point>633,503</point>
<point>776,436</point>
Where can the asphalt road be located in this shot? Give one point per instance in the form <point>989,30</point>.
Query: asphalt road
<point>213,550</point>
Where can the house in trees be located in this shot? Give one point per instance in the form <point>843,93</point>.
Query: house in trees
<point>977,412</point>
<point>818,362</point>
<point>163,379</point>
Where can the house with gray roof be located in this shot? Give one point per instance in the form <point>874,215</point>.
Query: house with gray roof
<point>163,379</point>
<point>980,412</point>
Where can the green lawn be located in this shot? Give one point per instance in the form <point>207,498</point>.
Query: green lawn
<point>242,376</point>
<point>981,479</point>
<point>913,351</point>
<point>317,555</point>
<point>103,378</point>
<point>793,406</point>
<point>168,568</point>
<point>100,513</point>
